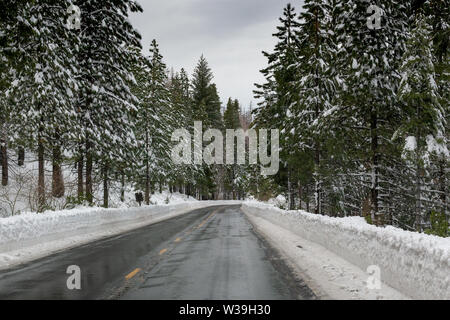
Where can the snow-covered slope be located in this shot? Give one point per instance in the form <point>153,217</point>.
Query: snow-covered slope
<point>417,265</point>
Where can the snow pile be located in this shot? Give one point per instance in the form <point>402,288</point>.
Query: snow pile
<point>417,265</point>
<point>29,236</point>
<point>172,198</point>
<point>326,274</point>
<point>280,201</point>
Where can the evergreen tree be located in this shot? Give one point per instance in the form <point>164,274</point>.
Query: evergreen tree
<point>201,91</point>
<point>45,83</point>
<point>423,113</point>
<point>153,120</point>
<point>278,94</point>
<point>369,67</point>
<point>105,61</point>
<point>7,15</point>
<point>316,84</point>
<point>206,107</point>
<point>233,172</point>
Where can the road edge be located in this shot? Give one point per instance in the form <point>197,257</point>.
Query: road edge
<point>296,270</point>
<point>35,249</point>
<point>328,275</point>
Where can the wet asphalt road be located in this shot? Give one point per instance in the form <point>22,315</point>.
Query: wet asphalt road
<point>210,253</point>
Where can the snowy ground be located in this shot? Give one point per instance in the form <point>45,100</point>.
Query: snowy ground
<point>29,236</point>
<point>20,196</point>
<point>327,274</point>
<point>333,254</point>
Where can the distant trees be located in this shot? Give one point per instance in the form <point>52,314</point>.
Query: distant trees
<point>206,107</point>
<point>155,119</point>
<point>233,172</point>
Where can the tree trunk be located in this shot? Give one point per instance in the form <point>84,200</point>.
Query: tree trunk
<point>289,190</point>
<point>307,198</point>
<point>147,184</point>
<point>122,188</point>
<point>21,156</point>
<point>57,175</point>
<point>105,186</point>
<point>318,183</point>
<point>89,160</point>
<point>41,175</point>
<point>375,215</point>
<point>147,170</point>
<point>419,220</point>
<point>443,185</point>
<point>80,165</point>
<point>300,194</point>
<point>4,160</point>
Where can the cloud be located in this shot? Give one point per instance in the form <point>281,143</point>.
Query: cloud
<point>230,33</point>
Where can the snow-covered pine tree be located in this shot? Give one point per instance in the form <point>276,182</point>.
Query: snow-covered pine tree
<point>178,175</point>
<point>7,15</point>
<point>195,170</point>
<point>44,84</point>
<point>424,117</point>
<point>231,119</point>
<point>169,118</point>
<point>213,108</point>
<point>316,84</point>
<point>206,107</point>
<point>105,103</point>
<point>200,82</point>
<point>154,120</point>
<point>369,109</point>
<point>181,103</point>
<point>277,94</point>
<point>437,13</point>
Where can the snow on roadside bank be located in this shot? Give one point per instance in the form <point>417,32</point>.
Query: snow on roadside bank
<point>415,265</point>
<point>30,236</point>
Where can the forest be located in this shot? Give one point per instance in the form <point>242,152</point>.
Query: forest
<point>363,110</point>
<point>361,105</point>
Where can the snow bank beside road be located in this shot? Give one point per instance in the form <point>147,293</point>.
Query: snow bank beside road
<point>30,236</point>
<point>416,265</point>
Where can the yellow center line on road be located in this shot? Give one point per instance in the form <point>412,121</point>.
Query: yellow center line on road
<point>204,221</point>
<point>132,274</point>
<point>137,270</point>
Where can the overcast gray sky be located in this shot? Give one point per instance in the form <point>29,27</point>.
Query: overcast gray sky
<point>230,33</point>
